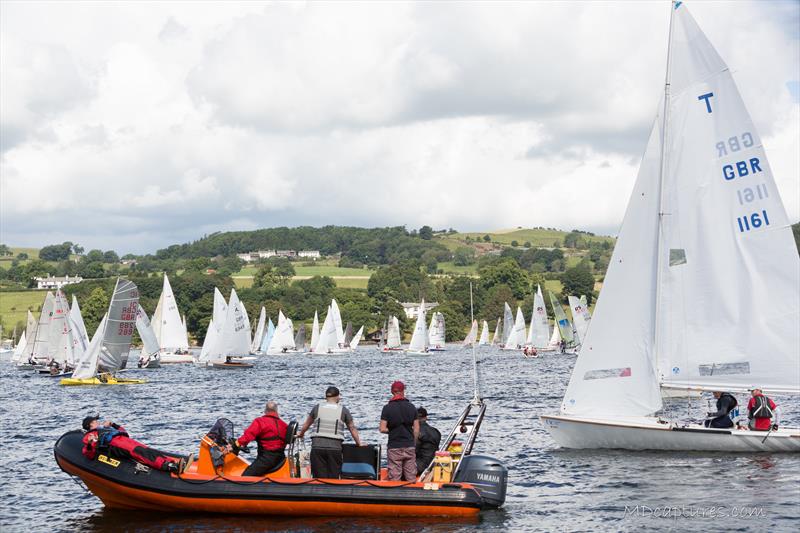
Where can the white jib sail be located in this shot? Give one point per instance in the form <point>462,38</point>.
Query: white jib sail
<point>86,367</point>
<point>77,319</point>
<point>540,327</point>
<point>212,334</point>
<point>170,332</point>
<point>259,334</point>
<point>508,322</point>
<point>496,337</point>
<point>472,335</point>
<point>356,338</point>
<point>150,343</point>
<point>314,332</point>
<point>19,349</point>
<point>419,339</point>
<point>580,317</point>
<point>393,335</point>
<point>337,322</point>
<point>484,334</point>
<point>517,337</point>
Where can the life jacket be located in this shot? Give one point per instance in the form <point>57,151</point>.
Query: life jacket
<point>329,421</point>
<point>761,407</point>
<point>104,436</point>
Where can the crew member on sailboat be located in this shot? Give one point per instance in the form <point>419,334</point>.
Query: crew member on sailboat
<point>762,412</point>
<point>720,418</point>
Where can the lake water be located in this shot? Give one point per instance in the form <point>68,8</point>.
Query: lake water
<point>549,489</point>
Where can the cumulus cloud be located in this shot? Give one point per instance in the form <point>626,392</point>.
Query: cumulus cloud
<point>141,126</point>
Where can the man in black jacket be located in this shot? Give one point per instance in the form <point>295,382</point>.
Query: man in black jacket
<point>726,403</point>
<point>427,441</point>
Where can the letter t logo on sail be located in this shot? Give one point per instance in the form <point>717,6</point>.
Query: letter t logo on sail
<point>706,97</point>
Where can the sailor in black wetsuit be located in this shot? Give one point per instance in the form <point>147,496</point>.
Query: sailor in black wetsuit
<point>720,418</point>
<point>427,441</point>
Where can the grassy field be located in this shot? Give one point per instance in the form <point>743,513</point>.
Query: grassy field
<point>344,282</point>
<point>450,268</point>
<point>14,306</point>
<point>316,270</point>
<point>537,237</point>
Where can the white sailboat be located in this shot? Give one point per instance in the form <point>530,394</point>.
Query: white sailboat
<point>484,340</point>
<point>516,339</point>
<point>327,342</point>
<point>60,354</point>
<point>22,354</point>
<point>150,355</point>
<point>419,339</point>
<point>337,323</point>
<point>565,327</point>
<point>580,318</point>
<point>19,349</point>
<point>40,346</point>
<point>283,340</point>
<point>169,329</point>
<point>472,335</point>
<point>393,341</point>
<point>227,346</point>
<point>508,322</point>
<point>108,351</point>
<point>539,332</point>
<point>255,346</point>
<point>356,338</point>
<point>497,339</point>
<point>705,269</point>
<point>436,333</point>
<point>267,336</point>
<point>81,336</point>
<point>314,333</point>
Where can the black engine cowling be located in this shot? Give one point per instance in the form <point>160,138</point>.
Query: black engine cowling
<point>487,474</point>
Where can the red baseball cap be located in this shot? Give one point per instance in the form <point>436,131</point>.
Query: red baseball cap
<point>398,386</point>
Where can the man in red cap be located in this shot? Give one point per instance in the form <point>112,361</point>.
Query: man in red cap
<point>399,420</point>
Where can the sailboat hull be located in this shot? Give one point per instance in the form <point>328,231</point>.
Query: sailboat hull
<point>174,358</point>
<point>650,434</point>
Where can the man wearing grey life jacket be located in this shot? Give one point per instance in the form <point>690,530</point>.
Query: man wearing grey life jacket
<point>329,419</point>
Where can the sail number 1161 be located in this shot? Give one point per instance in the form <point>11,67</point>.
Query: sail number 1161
<point>753,221</point>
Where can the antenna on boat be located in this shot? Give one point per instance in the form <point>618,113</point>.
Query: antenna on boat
<point>476,399</point>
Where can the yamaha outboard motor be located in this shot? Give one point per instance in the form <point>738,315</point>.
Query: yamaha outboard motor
<point>487,474</point>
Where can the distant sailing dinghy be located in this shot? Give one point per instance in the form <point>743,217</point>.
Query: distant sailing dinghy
<point>436,333</point>
<point>538,340</point>
<point>419,339</point>
<point>393,342</point>
<point>107,353</point>
<point>484,340</point>
<point>226,346</point>
<point>497,338</point>
<point>472,336</point>
<point>516,339</point>
<point>704,280</point>
<point>151,351</point>
<point>169,329</point>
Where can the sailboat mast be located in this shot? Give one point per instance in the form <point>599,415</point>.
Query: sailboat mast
<point>477,398</point>
<point>662,171</point>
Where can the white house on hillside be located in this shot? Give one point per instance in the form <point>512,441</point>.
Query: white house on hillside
<point>412,308</point>
<point>50,282</point>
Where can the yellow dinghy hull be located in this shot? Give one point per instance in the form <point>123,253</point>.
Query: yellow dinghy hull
<point>103,380</point>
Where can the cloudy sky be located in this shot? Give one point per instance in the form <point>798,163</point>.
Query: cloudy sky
<point>137,125</point>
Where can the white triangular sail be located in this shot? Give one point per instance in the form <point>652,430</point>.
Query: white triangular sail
<point>327,335</point>
<point>484,340</point>
<point>268,336</point>
<point>259,334</point>
<point>472,336</point>
<point>508,322</point>
<point>77,319</point>
<point>393,334</point>
<point>497,336</point>
<point>60,347</point>
<point>580,317</point>
<point>41,341</point>
<point>26,355</point>
<point>729,280</point>
<point>212,333</point>
<point>314,332</point>
<point>356,338</point>
<point>144,328</point>
<point>19,349</point>
<point>539,333</point>
<point>120,323</point>
<point>436,334</point>
<point>337,323</point>
<point>419,339</point>
<point>563,323</point>
<point>170,330</point>
<point>220,310</point>
<point>234,335</point>
<point>86,367</point>
<point>517,337</point>
<point>283,339</point>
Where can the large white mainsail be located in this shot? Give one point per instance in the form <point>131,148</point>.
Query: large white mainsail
<point>86,367</point>
<point>580,317</point>
<point>82,336</point>
<point>540,327</point>
<point>484,340</point>
<point>496,337</point>
<point>393,340</point>
<point>169,331</point>
<point>220,310</point>
<point>327,336</point>
<point>508,322</point>
<point>212,333</point>
<point>119,326</point>
<point>436,333</point>
<point>40,346</point>
<point>259,334</point>
<point>19,349</point>
<point>60,348</point>
<point>517,337</point>
<point>314,332</point>
<point>150,344</point>
<point>26,354</point>
<point>419,339</point>
<point>337,323</point>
